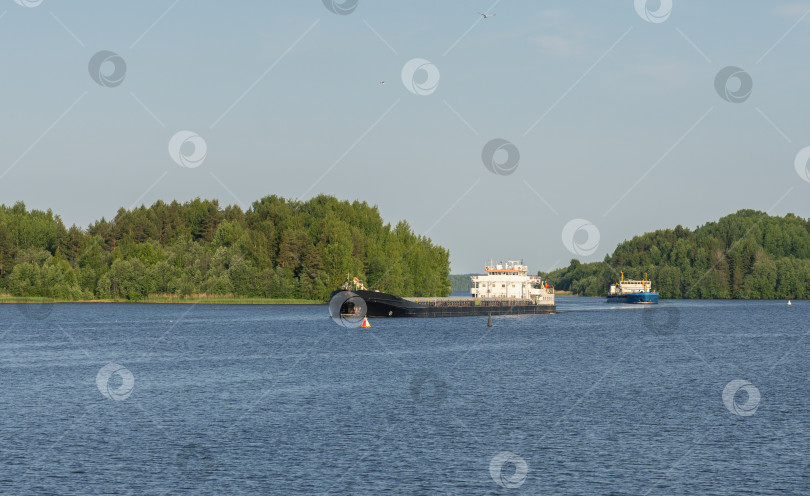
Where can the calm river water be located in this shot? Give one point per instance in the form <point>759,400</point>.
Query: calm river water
<point>686,397</point>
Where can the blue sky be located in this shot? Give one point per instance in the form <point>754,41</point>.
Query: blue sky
<point>618,124</point>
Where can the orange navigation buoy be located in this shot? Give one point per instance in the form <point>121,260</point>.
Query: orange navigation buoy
<point>365,322</point>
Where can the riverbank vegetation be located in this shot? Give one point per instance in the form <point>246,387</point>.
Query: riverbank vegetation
<point>191,299</point>
<point>277,249</point>
<point>746,255</point>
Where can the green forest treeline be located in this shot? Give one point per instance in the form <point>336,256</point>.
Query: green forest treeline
<point>747,255</point>
<point>276,249</point>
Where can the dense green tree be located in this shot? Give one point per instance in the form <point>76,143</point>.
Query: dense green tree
<point>277,248</point>
<point>748,254</point>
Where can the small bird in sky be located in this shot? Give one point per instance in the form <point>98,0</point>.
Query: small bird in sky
<point>382,82</point>
<point>486,15</point>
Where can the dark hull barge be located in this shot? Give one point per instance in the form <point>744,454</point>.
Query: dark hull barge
<point>379,304</point>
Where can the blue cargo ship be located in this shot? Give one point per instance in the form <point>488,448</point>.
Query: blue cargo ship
<point>630,291</point>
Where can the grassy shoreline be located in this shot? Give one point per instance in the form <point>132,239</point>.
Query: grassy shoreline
<point>210,300</point>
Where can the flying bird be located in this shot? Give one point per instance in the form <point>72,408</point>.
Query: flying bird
<point>382,82</point>
<point>486,15</point>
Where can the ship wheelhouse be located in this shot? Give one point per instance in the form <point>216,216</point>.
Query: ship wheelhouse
<point>630,286</point>
<point>510,280</point>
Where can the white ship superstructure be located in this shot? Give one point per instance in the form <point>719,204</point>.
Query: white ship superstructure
<point>511,280</point>
<point>629,286</point>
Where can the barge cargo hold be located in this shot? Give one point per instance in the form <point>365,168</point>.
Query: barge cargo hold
<point>387,305</point>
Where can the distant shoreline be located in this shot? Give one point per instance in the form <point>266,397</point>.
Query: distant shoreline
<point>208,300</point>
